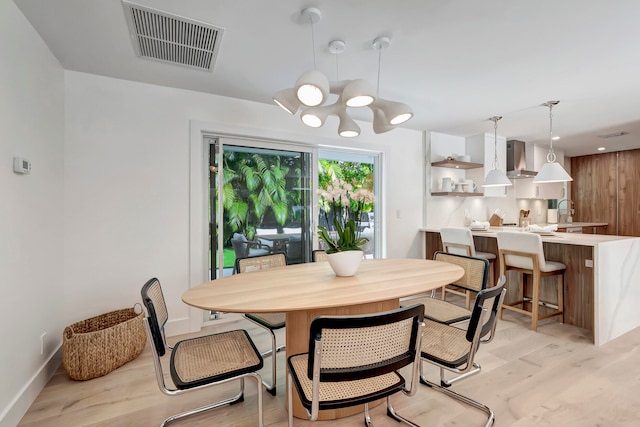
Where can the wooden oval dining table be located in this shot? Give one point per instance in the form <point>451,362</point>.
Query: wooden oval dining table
<point>305,291</point>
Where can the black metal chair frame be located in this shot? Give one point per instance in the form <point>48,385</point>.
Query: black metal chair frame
<point>481,329</point>
<point>317,373</point>
<point>156,336</point>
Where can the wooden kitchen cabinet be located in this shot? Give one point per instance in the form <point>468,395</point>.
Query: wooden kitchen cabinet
<point>629,193</point>
<point>606,188</point>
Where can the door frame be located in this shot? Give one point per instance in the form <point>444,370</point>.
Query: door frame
<point>198,189</point>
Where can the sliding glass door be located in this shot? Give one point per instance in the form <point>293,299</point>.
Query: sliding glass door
<point>259,201</point>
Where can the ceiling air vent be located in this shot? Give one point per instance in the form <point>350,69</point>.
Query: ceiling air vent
<point>170,38</point>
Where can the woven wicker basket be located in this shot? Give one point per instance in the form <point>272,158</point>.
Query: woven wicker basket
<point>96,346</point>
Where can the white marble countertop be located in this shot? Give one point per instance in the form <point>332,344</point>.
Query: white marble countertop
<point>557,237</point>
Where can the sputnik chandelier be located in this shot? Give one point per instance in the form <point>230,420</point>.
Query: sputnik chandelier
<point>311,92</point>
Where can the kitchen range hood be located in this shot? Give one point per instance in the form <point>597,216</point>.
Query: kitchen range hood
<point>516,160</point>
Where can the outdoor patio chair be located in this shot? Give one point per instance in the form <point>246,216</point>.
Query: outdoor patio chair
<point>244,248</point>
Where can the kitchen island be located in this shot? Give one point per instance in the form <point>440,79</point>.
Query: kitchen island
<point>601,287</point>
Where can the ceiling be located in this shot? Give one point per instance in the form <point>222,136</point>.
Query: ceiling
<point>455,62</point>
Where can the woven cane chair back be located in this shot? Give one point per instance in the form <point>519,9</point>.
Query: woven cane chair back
<point>476,270</point>
<point>153,300</point>
<point>489,300</point>
<point>319,255</point>
<point>256,263</point>
<point>356,347</point>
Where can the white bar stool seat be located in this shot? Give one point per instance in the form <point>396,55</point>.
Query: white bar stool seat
<point>523,253</point>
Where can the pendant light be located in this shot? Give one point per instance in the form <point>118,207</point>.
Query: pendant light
<point>551,171</point>
<point>312,87</point>
<point>386,114</point>
<point>495,177</point>
<point>309,95</point>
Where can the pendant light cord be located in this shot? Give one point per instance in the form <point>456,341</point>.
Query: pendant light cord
<point>495,143</point>
<point>495,119</point>
<point>313,44</point>
<point>378,83</point>
<point>551,155</point>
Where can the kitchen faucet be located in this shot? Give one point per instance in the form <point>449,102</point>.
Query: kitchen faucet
<point>569,211</point>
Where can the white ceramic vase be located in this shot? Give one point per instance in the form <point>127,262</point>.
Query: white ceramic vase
<point>345,263</point>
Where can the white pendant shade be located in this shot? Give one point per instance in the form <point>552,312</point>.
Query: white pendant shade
<point>395,112</point>
<point>347,128</point>
<point>315,117</point>
<point>312,88</point>
<point>287,100</point>
<point>358,93</point>
<point>552,172</point>
<point>380,124</point>
<point>496,178</point>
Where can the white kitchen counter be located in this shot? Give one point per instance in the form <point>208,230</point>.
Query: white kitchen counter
<point>616,268</point>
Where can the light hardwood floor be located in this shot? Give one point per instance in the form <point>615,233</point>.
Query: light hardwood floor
<point>551,378</point>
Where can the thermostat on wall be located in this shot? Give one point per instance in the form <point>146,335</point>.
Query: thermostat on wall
<point>21,165</point>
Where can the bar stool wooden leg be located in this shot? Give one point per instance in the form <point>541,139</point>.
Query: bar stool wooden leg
<point>561,296</point>
<point>535,303</point>
<point>503,272</point>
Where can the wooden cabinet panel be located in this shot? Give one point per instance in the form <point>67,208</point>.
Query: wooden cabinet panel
<point>594,189</point>
<point>629,193</point>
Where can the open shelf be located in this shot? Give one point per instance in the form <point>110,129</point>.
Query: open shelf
<point>456,164</point>
<point>457,194</point>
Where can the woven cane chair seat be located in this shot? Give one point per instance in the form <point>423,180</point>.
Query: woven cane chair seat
<point>445,343</point>
<point>442,311</point>
<point>213,358</point>
<point>334,394</point>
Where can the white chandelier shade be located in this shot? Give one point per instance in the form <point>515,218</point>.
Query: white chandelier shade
<point>312,88</point>
<point>395,113</point>
<point>358,93</point>
<point>287,100</point>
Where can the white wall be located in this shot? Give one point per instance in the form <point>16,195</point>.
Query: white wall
<point>31,211</point>
<point>107,205</point>
<point>443,211</point>
<point>127,185</point>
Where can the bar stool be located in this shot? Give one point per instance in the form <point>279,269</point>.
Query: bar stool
<point>459,241</point>
<point>523,253</point>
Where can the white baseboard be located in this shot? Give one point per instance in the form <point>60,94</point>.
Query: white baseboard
<point>13,413</point>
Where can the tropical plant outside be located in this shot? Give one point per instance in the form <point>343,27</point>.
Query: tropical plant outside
<point>257,188</point>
